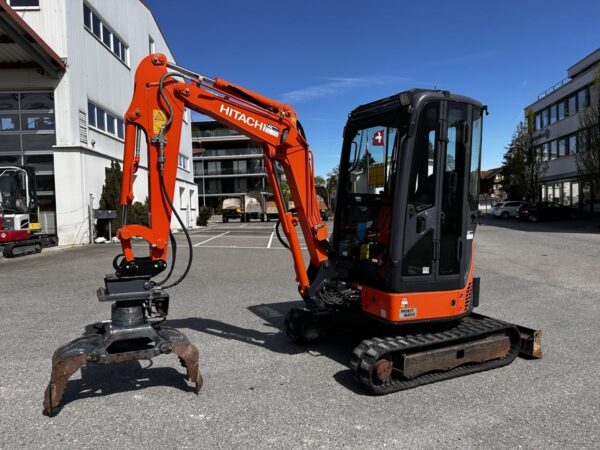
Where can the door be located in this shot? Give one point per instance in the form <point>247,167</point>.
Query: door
<point>435,230</point>
<point>420,238</point>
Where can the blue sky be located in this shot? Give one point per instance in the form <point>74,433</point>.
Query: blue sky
<point>327,57</point>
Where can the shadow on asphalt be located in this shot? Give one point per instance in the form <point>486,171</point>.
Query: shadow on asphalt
<point>584,226</point>
<point>98,380</point>
<point>338,346</point>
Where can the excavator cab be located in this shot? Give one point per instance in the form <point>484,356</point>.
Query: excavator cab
<point>18,202</point>
<point>408,190</point>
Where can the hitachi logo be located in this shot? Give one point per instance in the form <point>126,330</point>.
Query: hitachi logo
<point>249,120</point>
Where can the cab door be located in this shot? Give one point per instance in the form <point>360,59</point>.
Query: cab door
<point>434,245</point>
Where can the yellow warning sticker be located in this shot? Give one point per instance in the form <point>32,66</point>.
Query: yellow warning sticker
<point>158,120</point>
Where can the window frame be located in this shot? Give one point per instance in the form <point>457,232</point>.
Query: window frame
<point>121,52</point>
<point>24,8</point>
<point>23,135</point>
<point>107,113</point>
<point>186,164</point>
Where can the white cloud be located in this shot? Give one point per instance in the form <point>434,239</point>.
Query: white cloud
<point>338,85</point>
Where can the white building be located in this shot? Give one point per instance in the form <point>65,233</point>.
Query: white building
<point>67,77</point>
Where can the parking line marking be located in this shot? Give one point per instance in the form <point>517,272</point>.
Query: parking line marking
<point>214,237</point>
<point>242,226</point>
<point>271,239</point>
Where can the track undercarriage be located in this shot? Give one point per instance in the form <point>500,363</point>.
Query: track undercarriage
<point>388,364</point>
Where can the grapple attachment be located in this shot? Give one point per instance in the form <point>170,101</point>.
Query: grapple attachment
<point>129,335</point>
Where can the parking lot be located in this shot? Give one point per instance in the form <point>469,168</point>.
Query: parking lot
<point>261,391</point>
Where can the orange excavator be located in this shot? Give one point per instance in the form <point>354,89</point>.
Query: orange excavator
<point>400,255</point>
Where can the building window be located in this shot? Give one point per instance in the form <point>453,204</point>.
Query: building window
<point>105,34</point>
<point>553,149</point>
<point>545,153</point>
<point>575,193</point>
<point>582,99</point>
<point>552,114</point>
<point>183,162</point>
<point>101,120</point>
<point>573,144</point>
<point>24,4</point>
<point>538,121</point>
<point>26,122</point>
<point>561,110</point>
<point>544,118</point>
<point>562,147</point>
<point>572,105</point>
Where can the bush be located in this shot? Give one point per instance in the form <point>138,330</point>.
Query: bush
<point>204,214</point>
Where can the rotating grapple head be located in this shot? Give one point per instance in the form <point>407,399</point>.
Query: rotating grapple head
<point>133,333</point>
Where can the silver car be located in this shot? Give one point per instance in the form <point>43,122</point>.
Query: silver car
<point>506,209</point>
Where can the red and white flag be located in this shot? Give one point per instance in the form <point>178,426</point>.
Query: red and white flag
<point>378,138</point>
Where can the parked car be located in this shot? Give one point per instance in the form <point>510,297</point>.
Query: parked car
<point>506,209</point>
<point>535,212</point>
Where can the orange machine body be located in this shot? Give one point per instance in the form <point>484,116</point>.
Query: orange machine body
<point>417,306</point>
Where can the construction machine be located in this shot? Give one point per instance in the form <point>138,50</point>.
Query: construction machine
<point>20,228</point>
<point>401,253</point>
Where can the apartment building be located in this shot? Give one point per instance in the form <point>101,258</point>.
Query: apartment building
<point>556,122</point>
<point>67,79</point>
<point>226,163</point>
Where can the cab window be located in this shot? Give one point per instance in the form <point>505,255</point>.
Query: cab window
<point>370,163</point>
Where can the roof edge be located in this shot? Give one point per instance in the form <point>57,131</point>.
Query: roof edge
<point>20,23</point>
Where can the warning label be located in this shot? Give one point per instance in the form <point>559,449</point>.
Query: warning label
<point>158,120</point>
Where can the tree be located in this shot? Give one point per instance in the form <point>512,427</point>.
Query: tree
<point>332,179</point>
<point>523,166</point>
<point>588,138</point>
<point>110,198</point>
<point>320,181</point>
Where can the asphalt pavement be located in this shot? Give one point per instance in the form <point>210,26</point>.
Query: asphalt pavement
<point>262,391</point>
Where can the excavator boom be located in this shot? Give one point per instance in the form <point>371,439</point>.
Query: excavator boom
<point>162,92</point>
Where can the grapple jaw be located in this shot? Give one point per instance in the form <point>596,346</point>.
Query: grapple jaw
<point>130,335</point>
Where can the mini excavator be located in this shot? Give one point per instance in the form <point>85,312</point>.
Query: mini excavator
<point>400,255</point>
<point>20,228</point>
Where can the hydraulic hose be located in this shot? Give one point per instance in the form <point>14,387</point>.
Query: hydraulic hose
<point>165,194</point>
<point>285,244</point>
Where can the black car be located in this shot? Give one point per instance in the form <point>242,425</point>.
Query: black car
<point>534,212</point>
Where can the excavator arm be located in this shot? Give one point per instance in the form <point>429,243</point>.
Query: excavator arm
<point>162,93</point>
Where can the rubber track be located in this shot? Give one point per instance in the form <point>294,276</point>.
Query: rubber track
<point>468,329</point>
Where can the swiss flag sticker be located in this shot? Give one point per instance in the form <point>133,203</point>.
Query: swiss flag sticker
<point>378,138</point>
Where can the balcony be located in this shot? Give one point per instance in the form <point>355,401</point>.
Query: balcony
<point>230,172</point>
<point>217,132</point>
<point>553,88</point>
<point>229,153</point>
